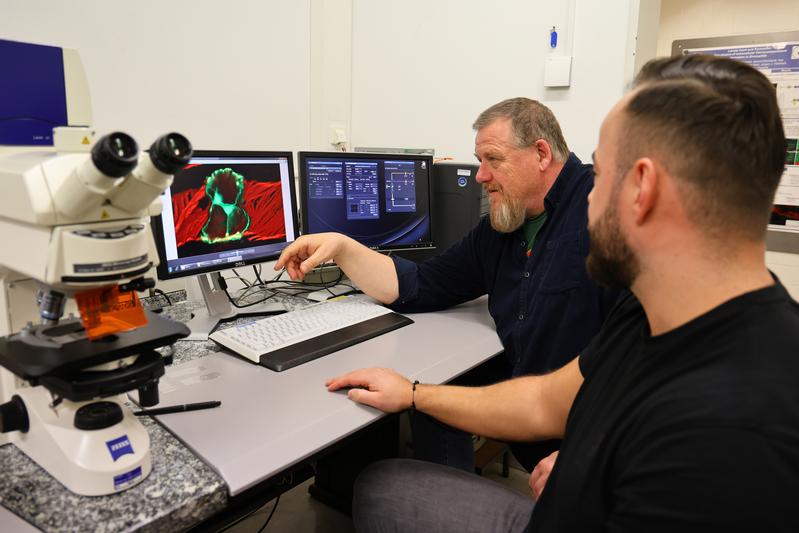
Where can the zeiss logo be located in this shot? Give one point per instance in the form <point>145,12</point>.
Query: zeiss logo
<point>119,447</point>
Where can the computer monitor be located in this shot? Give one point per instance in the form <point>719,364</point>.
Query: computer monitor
<point>384,201</point>
<point>459,202</point>
<point>225,209</point>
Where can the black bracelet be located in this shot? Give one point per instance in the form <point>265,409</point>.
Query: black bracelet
<point>413,396</point>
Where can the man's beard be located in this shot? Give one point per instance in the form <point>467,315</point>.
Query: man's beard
<point>508,215</point>
<point>611,262</point>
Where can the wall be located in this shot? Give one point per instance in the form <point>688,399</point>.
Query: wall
<point>331,52</point>
<point>422,71</point>
<point>226,74</point>
<point>253,74</point>
<point>687,19</point>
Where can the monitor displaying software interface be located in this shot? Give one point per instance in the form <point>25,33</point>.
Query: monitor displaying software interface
<point>226,209</point>
<point>380,200</point>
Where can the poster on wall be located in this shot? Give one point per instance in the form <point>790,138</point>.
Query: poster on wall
<point>776,56</point>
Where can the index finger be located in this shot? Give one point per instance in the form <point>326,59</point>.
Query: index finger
<point>288,252</point>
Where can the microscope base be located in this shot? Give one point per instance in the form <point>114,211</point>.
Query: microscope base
<point>87,462</point>
<point>8,384</point>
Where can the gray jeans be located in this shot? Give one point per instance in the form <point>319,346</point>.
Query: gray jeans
<point>407,495</point>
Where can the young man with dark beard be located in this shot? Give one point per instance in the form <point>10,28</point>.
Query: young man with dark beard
<point>682,414</point>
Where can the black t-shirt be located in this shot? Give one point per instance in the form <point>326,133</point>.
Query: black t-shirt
<point>693,430</point>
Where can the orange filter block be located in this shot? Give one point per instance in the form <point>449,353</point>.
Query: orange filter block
<point>106,311</point>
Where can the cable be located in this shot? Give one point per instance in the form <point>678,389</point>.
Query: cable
<point>283,482</point>
<point>277,501</point>
<point>257,270</point>
<point>299,288</point>
<point>250,514</point>
<point>234,303</point>
<point>239,277</point>
<point>240,520</point>
<point>277,286</point>
<point>165,295</point>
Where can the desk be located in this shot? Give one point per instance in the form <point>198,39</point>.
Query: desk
<point>270,420</point>
<point>279,420</point>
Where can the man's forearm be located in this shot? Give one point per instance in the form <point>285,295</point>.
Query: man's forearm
<point>371,271</point>
<point>522,409</point>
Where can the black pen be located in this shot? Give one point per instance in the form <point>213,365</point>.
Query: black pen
<point>178,408</point>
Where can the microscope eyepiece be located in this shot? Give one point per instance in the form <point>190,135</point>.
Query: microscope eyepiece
<point>170,153</point>
<point>115,154</point>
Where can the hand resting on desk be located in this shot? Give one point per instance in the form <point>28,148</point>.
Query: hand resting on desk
<point>382,388</point>
<point>391,392</point>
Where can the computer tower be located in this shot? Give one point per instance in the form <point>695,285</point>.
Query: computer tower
<point>458,203</point>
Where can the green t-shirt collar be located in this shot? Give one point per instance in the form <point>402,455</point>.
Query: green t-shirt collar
<point>531,227</point>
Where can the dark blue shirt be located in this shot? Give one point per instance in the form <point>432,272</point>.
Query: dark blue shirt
<point>545,307</point>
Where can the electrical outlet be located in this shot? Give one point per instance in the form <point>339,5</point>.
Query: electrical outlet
<point>338,134</point>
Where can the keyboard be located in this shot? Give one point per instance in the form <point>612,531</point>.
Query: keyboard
<point>284,341</point>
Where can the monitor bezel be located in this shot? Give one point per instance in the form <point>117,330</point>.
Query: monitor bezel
<point>157,223</point>
<point>301,164</point>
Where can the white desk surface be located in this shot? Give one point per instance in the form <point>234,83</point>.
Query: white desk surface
<point>269,420</point>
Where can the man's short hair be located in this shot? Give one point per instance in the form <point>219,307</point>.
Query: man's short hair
<point>530,121</point>
<point>716,124</point>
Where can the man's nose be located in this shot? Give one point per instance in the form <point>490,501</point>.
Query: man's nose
<point>483,174</point>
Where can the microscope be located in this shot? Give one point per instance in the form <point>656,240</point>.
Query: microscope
<point>78,224</point>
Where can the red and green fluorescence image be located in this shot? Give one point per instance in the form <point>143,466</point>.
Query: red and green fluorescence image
<point>217,208</point>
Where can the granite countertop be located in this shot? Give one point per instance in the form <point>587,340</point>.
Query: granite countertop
<point>180,492</point>
<point>181,311</point>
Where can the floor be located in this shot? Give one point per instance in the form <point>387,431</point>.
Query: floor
<point>297,512</point>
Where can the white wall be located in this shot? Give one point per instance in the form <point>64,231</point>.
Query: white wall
<point>331,53</point>
<point>422,71</point>
<point>271,74</point>
<point>228,75</point>
<point>689,19</point>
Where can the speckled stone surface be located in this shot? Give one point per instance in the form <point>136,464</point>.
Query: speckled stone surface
<point>180,492</point>
<point>185,351</point>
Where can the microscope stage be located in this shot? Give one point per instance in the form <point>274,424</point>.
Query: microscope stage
<point>30,356</point>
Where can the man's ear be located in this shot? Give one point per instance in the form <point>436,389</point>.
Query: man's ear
<point>645,181</point>
<point>544,152</point>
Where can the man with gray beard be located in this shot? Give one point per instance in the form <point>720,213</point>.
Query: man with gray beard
<point>527,255</point>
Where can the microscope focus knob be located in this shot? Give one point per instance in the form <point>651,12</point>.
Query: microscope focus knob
<point>14,416</point>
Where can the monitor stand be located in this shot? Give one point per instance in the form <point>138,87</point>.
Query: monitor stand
<point>218,308</point>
